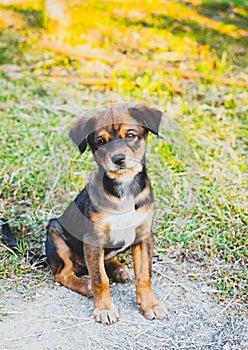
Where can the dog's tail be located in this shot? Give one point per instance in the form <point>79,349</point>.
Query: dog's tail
<point>37,260</point>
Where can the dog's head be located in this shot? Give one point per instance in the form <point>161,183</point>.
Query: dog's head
<point>117,135</point>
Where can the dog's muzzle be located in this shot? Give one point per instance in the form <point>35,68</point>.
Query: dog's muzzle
<point>118,159</point>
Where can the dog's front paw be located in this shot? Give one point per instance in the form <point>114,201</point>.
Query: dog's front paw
<point>106,317</point>
<point>151,307</point>
<point>156,312</point>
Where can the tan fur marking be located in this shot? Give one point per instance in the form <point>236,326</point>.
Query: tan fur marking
<point>104,134</point>
<point>97,217</point>
<point>142,195</point>
<point>122,131</point>
<point>143,230</point>
<point>135,129</point>
<point>106,229</point>
<point>66,276</point>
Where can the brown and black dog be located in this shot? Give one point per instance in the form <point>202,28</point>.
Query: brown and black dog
<point>111,214</point>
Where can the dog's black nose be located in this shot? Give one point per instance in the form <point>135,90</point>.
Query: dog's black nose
<point>118,158</point>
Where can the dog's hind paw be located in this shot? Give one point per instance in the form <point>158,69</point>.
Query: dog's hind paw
<point>122,275</point>
<point>118,272</point>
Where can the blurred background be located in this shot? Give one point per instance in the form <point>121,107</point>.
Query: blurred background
<point>162,46</point>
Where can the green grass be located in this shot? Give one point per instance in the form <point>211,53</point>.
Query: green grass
<point>198,166</point>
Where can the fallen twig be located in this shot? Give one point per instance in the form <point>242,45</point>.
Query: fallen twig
<point>77,80</point>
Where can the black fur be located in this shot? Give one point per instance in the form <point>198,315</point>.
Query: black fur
<point>37,260</point>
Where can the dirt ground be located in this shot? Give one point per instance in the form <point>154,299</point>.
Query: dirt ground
<point>53,317</point>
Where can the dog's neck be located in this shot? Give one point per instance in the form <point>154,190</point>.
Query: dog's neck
<point>119,189</point>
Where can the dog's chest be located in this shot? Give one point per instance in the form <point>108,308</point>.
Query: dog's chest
<point>120,226</point>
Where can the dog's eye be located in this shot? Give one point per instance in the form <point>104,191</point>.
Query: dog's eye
<point>100,142</point>
<point>131,136</point>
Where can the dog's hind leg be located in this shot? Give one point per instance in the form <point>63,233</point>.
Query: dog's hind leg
<point>119,272</point>
<point>60,259</point>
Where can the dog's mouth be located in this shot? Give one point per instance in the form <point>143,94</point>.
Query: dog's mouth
<point>120,169</point>
<point>124,168</point>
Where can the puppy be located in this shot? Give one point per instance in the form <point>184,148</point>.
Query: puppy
<point>111,214</point>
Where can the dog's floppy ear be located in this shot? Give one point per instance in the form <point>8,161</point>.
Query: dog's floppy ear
<point>147,116</point>
<point>80,130</point>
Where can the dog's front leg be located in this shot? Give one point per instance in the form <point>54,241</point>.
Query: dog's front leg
<point>142,258</point>
<point>105,311</point>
